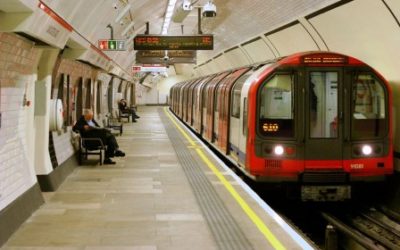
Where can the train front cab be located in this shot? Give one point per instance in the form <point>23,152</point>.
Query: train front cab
<point>320,123</point>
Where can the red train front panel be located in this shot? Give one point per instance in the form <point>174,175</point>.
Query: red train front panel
<point>320,118</point>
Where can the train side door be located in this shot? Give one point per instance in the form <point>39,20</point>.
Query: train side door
<point>323,111</point>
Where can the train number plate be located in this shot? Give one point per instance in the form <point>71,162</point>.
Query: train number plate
<point>325,193</point>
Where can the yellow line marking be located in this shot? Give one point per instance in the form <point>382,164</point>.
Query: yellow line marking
<point>246,208</point>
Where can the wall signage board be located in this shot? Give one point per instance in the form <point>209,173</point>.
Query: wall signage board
<point>111,45</point>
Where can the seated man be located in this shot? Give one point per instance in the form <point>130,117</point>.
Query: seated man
<point>88,128</point>
<point>123,107</point>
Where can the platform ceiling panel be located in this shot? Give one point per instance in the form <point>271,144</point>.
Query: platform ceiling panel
<point>258,50</point>
<point>291,40</point>
<point>363,36</point>
<point>394,6</point>
<point>237,20</point>
<point>237,57</point>
<point>17,5</point>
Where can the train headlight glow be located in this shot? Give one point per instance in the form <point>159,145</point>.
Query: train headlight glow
<point>366,149</point>
<point>279,150</point>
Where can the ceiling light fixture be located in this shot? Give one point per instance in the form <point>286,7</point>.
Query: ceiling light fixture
<point>168,16</point>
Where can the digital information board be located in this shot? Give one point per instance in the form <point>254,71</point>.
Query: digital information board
<point>154,42</point>
<point>112,44</point>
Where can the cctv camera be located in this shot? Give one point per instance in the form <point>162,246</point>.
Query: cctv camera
<point>165,58</point>
<point>187,5</point>
<point>115,6</point>
<point>209,10</point>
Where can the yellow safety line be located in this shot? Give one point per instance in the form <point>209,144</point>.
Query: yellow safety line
<point>247,209</point>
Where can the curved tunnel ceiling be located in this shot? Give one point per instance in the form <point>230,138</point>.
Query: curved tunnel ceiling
<point>236,20</point>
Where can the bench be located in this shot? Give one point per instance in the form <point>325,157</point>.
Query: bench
<point>121,115</point>
<point>91,146</point>
<point>111,124</point>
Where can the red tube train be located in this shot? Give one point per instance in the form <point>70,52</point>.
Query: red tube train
<point>319,119</point>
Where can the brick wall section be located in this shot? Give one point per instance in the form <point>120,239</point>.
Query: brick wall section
<point>18,59</point>
<point>76,70</point>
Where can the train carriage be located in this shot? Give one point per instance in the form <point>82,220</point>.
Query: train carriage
<point>319,119</point>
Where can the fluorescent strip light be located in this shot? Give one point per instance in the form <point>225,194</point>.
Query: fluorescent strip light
<point>168,16</point>
<point>127,28</point>
<point>123,12</point>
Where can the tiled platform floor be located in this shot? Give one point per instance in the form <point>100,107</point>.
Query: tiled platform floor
<point>144,202</point>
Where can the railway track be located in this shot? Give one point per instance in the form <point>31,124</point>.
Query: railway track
<point>372,228</point>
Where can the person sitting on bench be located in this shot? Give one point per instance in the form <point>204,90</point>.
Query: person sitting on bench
<point>89,128</point>
<point>123,107</point>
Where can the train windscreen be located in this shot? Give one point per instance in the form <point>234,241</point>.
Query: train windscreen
<point>276,118</point>
<point>369,111</point>
<point>323,104</point>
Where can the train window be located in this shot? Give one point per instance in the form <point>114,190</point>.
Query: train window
<point>323,104</point>
<point>368,107</point>
<point>236,103</point>
<point>237,89</point>
<point>205,95</point>
<point>276,107</point>
<point>217,100</point>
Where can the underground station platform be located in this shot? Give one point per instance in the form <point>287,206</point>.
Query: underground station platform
<point>168,192</point>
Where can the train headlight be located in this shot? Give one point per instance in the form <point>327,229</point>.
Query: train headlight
<point>279,150</point>
<point>366,150</point>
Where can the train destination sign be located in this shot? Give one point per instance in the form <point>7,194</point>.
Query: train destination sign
<point>155,42</point>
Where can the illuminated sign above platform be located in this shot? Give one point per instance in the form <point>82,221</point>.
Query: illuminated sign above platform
<point>159,56</point>
<point>154,42</point>
<point>149,68</point>
<point>112,45</point>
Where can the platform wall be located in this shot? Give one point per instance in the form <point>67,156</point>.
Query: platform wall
<point>18,64</point>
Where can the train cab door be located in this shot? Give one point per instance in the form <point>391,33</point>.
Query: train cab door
<point>323,118</point>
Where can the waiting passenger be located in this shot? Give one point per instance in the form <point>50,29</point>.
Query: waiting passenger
<point>123,107</point>
<point>89,128</point>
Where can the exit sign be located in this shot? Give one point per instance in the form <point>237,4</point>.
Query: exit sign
<point>112,45</point>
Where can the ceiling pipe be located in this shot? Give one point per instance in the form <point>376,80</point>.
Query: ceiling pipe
<point>111,31</point>
<point>199,21</point>
<point>147,28</point>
